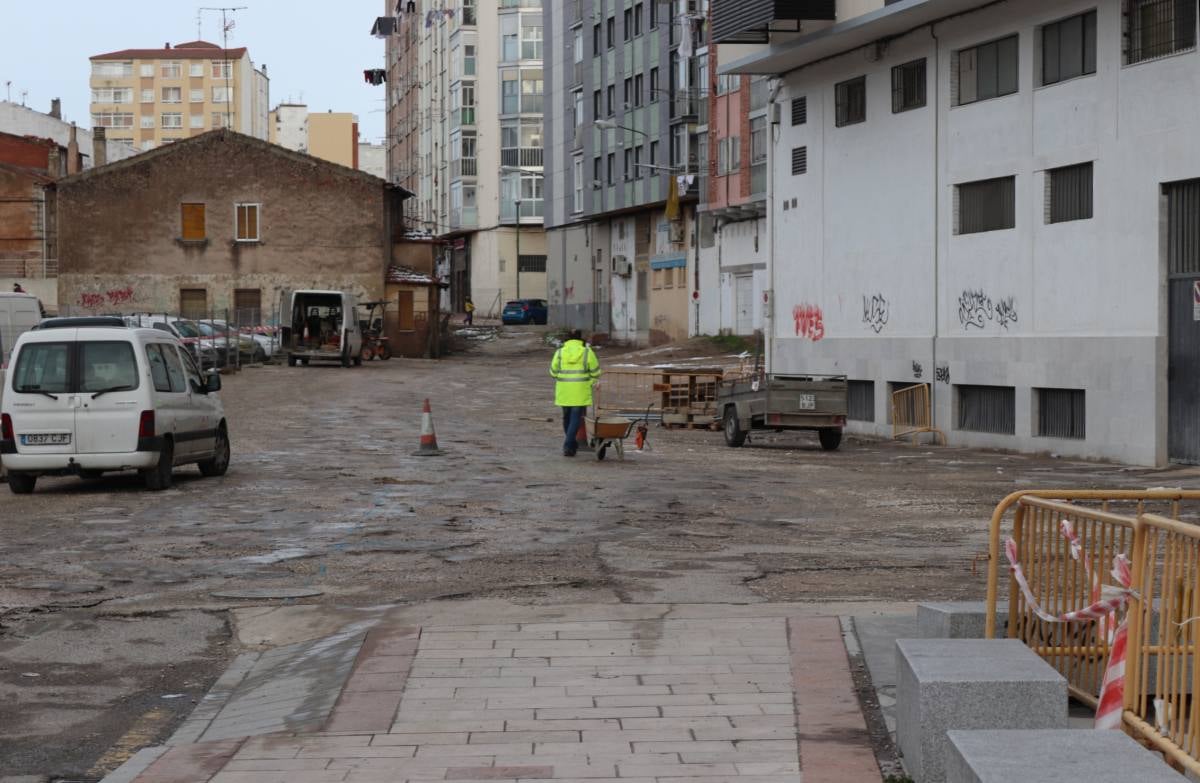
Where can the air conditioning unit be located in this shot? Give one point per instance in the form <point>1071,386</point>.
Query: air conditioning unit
<point>622,266</point>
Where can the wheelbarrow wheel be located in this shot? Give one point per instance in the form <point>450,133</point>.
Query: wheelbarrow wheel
<point>600,452</point>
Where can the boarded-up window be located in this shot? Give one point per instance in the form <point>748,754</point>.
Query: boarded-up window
<point>192,219</point>
<point>247,222</point>
<point>247,305</point>
<point>406,316</point>
<point>193,303</point>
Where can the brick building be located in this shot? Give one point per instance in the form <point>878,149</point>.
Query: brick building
<point>219,222</point>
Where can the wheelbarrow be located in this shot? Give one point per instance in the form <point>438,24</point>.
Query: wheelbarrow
<point>605,431</point>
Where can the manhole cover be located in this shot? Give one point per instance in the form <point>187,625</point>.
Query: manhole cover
<point>269,592</point>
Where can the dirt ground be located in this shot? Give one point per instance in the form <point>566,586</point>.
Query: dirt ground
<point>110,630</point>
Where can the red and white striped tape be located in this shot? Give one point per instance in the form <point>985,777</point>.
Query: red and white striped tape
<point>1105,600</point>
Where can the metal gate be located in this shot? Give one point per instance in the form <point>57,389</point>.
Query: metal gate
<point>1183,362</point>
<point>744,289</point>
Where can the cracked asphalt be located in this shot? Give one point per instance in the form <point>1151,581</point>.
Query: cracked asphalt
<point>110,629</point>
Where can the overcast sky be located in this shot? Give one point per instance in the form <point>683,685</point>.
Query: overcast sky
<point>315,50</point>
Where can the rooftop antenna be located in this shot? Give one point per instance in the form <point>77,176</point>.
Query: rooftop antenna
<point>8,90</point>
<point>227,24</point>
<point>24,95</point>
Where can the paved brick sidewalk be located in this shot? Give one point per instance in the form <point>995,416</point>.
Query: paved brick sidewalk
<point>643,701</point>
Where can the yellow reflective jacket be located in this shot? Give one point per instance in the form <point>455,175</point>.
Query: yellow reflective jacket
<point>575,368</point>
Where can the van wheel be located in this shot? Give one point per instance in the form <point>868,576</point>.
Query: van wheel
<point>21,483</point>
<point>358,361</point>
<point>830,438</point>
<point>220,461</point>
<point>346,357</point>
<point>735,436</point>
<point>159,477</point>
<point>291,361</point>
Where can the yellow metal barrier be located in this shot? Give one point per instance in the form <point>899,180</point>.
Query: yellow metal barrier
<point>681,395</point>
<point>912,413</point>
<point>1162,666</point>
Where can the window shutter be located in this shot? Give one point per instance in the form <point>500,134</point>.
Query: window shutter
<point>799,110</point>
<point>192,219</point>
<point>799,160</point>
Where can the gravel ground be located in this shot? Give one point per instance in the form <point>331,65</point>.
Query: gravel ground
<point>106,591</point>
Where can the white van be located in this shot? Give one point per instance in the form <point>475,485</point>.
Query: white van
<point>87,396</point>
<point>321,325</point>
<point>18,314</point>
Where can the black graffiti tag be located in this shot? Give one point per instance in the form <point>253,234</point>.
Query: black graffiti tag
<point>975,308</point>
<point>917,369</point>
<point>875,312</point>
<point>942,374</point>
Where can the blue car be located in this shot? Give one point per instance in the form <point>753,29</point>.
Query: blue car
<point>525,311</point>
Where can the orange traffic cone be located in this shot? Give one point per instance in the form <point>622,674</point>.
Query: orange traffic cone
<point>429,444</point>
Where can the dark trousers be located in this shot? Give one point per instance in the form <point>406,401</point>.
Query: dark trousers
<point>572,418</point>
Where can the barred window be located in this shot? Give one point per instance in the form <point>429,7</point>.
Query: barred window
<point>531,263</point>
<point>860,405</point>
<point>850,98</point>
<point>987,409</point>
<point>986,205</point>
<point>1061,413</point>
<point>1069,48</point>
<point>1069,193</point>
<point>908,86</point>
<point>1157,28</point>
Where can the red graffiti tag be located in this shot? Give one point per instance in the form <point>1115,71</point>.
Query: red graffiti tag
<point>120,295</point>
<point>569,292</point>
<point>810,322</point>
<point>91,301</point>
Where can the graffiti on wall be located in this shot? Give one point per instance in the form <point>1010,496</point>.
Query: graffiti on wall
<point>569,292</point>
<point>942,374</point>
<point>96,300</point>
<point>918,370</point>
<point>975,308</point>
<point>810,321</point>
<point>875,312</point>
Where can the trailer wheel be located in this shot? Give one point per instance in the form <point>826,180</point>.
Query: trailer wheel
<point>735,436</point>
<point>291,361</point>
<point>831,438</point>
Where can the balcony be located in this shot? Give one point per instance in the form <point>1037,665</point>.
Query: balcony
<point>752,21</point>
<point>464,217</point>
<point>464,167</point>
<point>523,157</point>
<point>531,211</point>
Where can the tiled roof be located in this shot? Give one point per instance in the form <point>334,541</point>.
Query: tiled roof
<point>192,50</point>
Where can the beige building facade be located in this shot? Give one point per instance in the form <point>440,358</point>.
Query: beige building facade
<point>151,97</point>
<point>331,136</point>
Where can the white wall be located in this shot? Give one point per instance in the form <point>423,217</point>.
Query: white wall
<point>624,289</point>
<point>24,121</point>
<point>372,158</point>
<point>869,275</point>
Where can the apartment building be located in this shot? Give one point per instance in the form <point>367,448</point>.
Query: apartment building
<point>331,136</point>
<point>625,135</point>
<point>996,199</point>
<point>151,97</point>
<point>465,128</point>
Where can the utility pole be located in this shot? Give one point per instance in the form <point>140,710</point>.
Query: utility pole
<point>227,24</point>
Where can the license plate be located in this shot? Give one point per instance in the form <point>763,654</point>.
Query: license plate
<point>808,402</point>
<point>47,439</point>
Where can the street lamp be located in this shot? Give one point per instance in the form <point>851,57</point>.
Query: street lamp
<point>614,125</point>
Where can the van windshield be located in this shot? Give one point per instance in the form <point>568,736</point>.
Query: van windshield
<point>42,369</point>
<point>107,366</point>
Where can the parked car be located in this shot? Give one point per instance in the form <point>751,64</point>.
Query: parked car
<point>525,311</point>
<point>322,326</point>
<point>264,341</point>
<point>88,396</point>
<point>226,341</point>
<point>18,314</point>
<point>186,332</point>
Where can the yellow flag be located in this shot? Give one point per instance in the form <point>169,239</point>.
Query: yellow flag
<point>672,199</point>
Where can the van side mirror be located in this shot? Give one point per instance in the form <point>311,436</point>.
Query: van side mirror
<point>213,383</point>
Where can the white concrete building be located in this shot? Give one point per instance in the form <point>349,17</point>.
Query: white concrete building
<point>24,121</point>
<point>289,126</point>
<point>1001,200</point>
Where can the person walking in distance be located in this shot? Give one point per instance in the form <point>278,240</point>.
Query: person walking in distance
<point>575,370</point>
<point>469,306</point>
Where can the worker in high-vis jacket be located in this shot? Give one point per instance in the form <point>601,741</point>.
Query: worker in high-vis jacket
<point>575,370</point>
